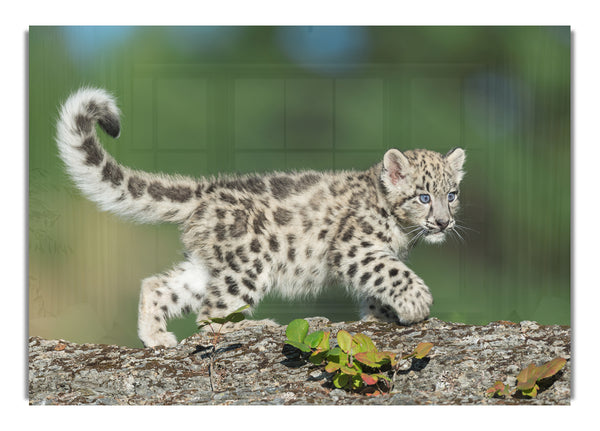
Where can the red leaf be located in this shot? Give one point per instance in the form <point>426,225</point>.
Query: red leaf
<point>368,379</point>
<point>551,368</point>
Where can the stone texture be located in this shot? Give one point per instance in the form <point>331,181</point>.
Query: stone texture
<point>252,366</point>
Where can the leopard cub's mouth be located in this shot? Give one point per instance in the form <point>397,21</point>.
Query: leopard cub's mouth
<point>434,235</point>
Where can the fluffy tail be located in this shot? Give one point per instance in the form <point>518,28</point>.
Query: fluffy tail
<point>145,197</point>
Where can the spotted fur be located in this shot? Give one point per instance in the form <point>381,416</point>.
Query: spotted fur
<point>292,233</point>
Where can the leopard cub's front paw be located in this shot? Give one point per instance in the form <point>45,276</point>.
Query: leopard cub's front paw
<point>414,302</point>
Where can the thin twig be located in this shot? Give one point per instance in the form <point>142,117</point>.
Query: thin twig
<point>210,368</point>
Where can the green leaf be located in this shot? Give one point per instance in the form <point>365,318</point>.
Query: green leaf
<point>317,357</point>
<point>332,367</point>
<point>297,330</point>
<point>314,339</point>
<point>336,351</point>
<point>376,359</point>
<point>527,378</point>
<point>344,340</point>
<point>341,358</point>
<point>298,345</point>
<point>236,317</point>
<point>202,323</point>
<point>420,351</point>
<point>344,368</point>
<point>531,392</point>
<point>382,376</point>
<point>392,357</point>
<point>324,344</point>
<point>341,380</point>
<point>362,343</point>
<point>242,308</point>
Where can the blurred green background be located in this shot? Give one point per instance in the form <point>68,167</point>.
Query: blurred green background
<point>204,100</point>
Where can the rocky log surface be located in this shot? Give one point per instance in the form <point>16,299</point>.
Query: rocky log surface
<point>252,366</point>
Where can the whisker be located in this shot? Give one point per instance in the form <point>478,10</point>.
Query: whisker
<point>412,240</point>
<point>462,240</point>
<point>466,228</point>
<point>414,230</point>
<point>415,239</point>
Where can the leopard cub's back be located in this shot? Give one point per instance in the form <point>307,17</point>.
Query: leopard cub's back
<point>273,230</point>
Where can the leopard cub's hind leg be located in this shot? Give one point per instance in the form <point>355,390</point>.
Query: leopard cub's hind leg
<point>167,295</point>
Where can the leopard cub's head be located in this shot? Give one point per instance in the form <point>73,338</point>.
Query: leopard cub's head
<point>422,190</point>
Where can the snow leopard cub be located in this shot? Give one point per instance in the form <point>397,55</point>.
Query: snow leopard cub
<point>292,233</point>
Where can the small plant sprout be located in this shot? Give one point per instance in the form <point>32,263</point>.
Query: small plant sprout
<point>357,363</point>
<point>499,389</point>
<point>528,379</point>
<point>234,317</point>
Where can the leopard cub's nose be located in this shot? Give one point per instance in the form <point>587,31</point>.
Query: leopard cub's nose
<point>442,223</point>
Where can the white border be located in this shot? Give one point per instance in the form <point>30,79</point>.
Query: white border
<point>14,82</point>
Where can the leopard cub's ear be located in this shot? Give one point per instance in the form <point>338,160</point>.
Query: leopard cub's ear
<point>455,160</point>
<point>396,165</point>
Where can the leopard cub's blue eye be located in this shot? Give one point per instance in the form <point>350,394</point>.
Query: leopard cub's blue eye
<point>451,196</point>
<point>425,199</point>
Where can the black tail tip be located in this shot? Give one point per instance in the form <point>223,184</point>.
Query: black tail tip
<point>111,125</point>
